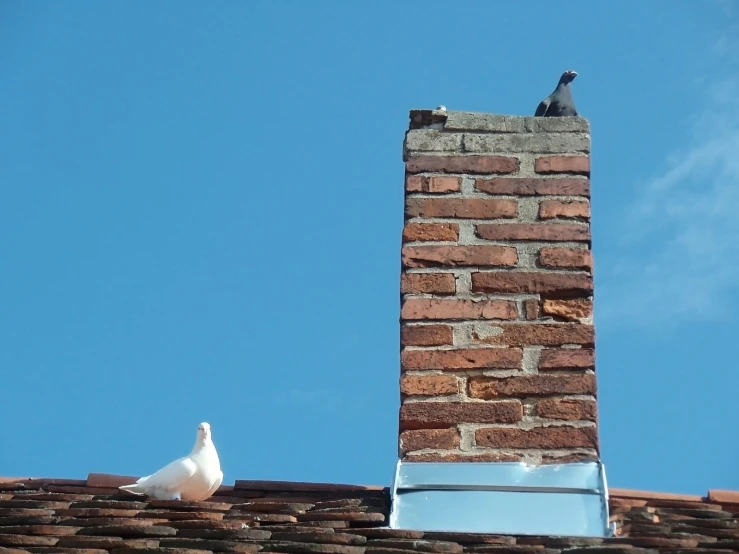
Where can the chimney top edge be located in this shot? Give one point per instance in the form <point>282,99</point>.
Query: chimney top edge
<point>456,121</point>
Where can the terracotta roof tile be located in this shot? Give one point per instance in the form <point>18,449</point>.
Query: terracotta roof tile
<point>93,517</point>
<point>628,493</point>
<point>727,497</point>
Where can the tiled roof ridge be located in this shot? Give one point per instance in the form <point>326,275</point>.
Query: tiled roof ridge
<point>113,481</point>
<point>91,516</point>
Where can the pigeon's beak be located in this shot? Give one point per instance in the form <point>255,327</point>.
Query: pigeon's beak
<point>573,74</point>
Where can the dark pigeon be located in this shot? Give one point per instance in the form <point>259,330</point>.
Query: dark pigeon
<point>560,102</point>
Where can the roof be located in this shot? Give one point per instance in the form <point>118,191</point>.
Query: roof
<point>92,516</point>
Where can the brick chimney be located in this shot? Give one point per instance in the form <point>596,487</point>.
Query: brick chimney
<point>497,291</point>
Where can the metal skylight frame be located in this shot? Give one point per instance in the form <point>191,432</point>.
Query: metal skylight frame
<point>508,498</point>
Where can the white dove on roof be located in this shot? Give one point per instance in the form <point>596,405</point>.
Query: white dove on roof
<point>194,477</point>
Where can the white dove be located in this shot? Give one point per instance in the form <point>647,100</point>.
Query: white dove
<point>194,477</point>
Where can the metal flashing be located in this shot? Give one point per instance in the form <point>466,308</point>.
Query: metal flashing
<point>506,498</point>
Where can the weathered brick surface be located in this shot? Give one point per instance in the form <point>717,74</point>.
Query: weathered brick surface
<point>428,385</point>
<point>581,458</point>
<point>531,308</point>
<point>435,184</point>
<point>513,142</point>
<point>566,409</point>
<point>461,359</point>
<point>563,164</point>
<point>428,438</point>
<point>451,308</point>
<point>570,310</point>
<point>459,256</point>
<point>566,258</point>
<point>433,140</point>
<point>497,289</point>
<point>565,209</point>
<point>463,208</point>
<point>524,186</point>
<point>533,231</point>
<point>428,283</point>
<point>440,232</point>
<point>461,457</point>
<point>440,415</point>
<point>532,282</point>
<point>524,334</point>
<point>476,121</point>
<point>426,335</point>
<point>561,359</point>
<point>463,164</point>
<point>551,437</point>
<point>489,388</point>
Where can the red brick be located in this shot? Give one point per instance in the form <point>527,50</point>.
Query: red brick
<point>439,415</point>
<point>459,256</point>
<point>523,334</point>
<point>460,457</point>
<point>490,388</point>
<point>533,231</point>
<point>567,409</point>
<point>531,308</point>
<point>452,308</point>
<point>522,282</point>
<point>463,164</point>
<point>569,358</point>
<point>465,208</point>
<point>428,283</point>
<point>461,359</point>
<point>567,209</point>
<point>570,310</point>
<point>539,437</point>
<point>435,184</point>
<point>524,186</point>
<point>426,335</point>
<point>570,459</point>
<point>571,258</point>
<point>428,385</point>
<point>563,164</point>
<point>428,438</point>
<point>430,232</point>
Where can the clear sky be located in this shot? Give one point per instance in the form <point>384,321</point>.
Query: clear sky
<point>202,204</point>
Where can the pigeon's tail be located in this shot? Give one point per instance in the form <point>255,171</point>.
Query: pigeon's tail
<point>134,489</point>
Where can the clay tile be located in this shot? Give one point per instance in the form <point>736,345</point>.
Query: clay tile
<point>723,497</point>
<point>647,495</point>
<point>109,481</point>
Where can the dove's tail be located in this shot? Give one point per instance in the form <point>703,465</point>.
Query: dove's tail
<point>134,489</point>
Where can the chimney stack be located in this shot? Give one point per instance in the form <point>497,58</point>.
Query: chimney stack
<point>497,360</point>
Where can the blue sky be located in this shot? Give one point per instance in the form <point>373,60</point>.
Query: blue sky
<point>201,215</point>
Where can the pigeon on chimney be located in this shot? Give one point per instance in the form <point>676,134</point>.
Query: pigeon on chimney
<point>560,102</point>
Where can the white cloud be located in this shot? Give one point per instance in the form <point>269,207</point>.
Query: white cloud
<point>683,226</point>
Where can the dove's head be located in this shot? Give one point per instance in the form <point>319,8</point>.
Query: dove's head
<point>567,77</point>
<point>203,431</point>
